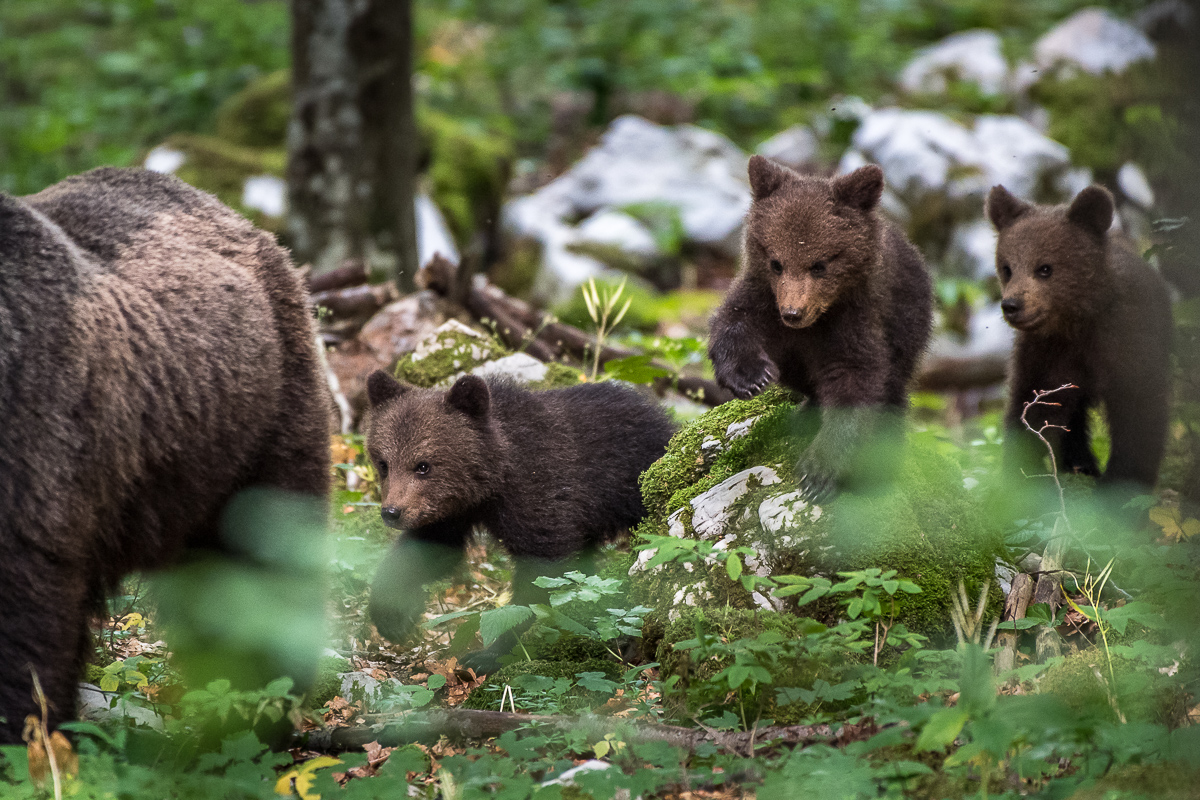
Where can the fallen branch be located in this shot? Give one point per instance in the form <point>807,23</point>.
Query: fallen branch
<point>959,373</point>
<point>462,724</point>
<point>524,327</point>
<point>1015,607</point>
<point>355,301</point>
<point>351,273</point>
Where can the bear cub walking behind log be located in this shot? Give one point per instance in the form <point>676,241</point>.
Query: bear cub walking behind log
<point>1088,312</point>
<point>157,356</point>
<point>832,301</point>
<point>549,474</point>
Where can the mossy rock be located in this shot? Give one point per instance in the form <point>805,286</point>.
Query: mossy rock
<point>575,699</point>
<point>1154,780</point>
<point>451,349</point>
<point>1143,694</point>
<point>455,349</point>
<point>727,479</point>
<point>328,683</point>
<point>695,692</point>
<point>257,116</point>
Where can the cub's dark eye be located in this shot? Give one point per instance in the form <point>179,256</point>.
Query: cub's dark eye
<point>1005,272</point>
<point>382,469</point>
<point>421,468</point>
<point>776,267</point>
<point>818,268</point>
<point>1044,271</point>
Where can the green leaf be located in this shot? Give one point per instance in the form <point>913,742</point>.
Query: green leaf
<point>942,729</point>
<point>495,623</point>
<point>891,587</point>
<point>436,681</point>
<point>733,565</point>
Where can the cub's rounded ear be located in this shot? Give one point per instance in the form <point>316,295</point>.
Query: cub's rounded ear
<point>1092,210</point>
<point>470,395</point>
<point>765,176</point>
<point>1003,207</point>
<point>860,189</point>
<point>382,387</point>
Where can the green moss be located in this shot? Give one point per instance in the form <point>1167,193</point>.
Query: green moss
<point>93,673</point>
<point>257,116</point>
<point>575,699</point>
<point>685,460</point>
<point>328,683</point>
<point>1155,780</point>
<point>452,351</point>
<point>1141,692</point>
<point>558,376</point>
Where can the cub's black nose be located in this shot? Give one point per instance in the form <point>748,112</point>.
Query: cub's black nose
<point>1010,307</point>
<point>390,514</point>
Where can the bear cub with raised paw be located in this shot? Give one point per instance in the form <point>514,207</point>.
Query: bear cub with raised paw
<point>1091,313</point>
<point>832,301</point>
<point>549,474</point>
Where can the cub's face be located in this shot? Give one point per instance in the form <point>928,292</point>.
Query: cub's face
<point>1051,260</point>
<point>428,448</point>
<point>814,239</point>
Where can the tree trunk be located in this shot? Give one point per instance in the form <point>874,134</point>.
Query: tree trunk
<point>352,137</point>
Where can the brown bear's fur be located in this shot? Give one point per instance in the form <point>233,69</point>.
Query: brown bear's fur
<point>831,301</point>
<point>156,356</point>
<point>1089,312</point>
<point>549,474</point>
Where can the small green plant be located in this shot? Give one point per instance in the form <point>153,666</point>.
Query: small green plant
<point>601,306</point>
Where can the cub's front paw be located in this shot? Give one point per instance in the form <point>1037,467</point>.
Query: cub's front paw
<point>396,621</point>
<point>746,377</point>
<point>484,661</point>
<point>816,482</point>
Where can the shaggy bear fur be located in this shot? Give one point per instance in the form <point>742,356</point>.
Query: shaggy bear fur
<point>832,301</point>
<point>156,357</point>
<point>1088,312</point>
<point>549,474</point>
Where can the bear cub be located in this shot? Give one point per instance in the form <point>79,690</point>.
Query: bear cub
<point>1090,312</point>
<point>549,474</point>
<point>832,302</point>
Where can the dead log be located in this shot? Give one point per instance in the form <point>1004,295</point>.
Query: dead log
<point>1015,607</point>
<point>462,724</point>
<point>960,373</point>
<point>351,273</point>
<point>356,301</point>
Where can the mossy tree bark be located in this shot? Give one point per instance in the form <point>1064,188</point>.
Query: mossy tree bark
<point>352,137</point>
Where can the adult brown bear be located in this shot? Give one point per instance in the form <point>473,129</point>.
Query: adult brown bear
<point>156,357</point>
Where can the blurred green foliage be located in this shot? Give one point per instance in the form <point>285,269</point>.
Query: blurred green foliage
<point>90,82</point>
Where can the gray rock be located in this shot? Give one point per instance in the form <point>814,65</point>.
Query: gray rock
<point>265,193</point>
<point>433,234</point>
<point>1094,41</point>
<point>972,250</point>
<point>520,367</point>
<point>796,147</point>
<point>1134,185</point>
<point>698,172</point>
<point>928,156</point>
<point>971,56</point>
<point>612,227</point>
<point>96,705</point>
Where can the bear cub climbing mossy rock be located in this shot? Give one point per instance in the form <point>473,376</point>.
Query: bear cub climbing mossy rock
<point>726,480</point>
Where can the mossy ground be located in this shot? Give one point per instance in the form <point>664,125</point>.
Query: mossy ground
<point>1082,681</point>
<point>696,694</point>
